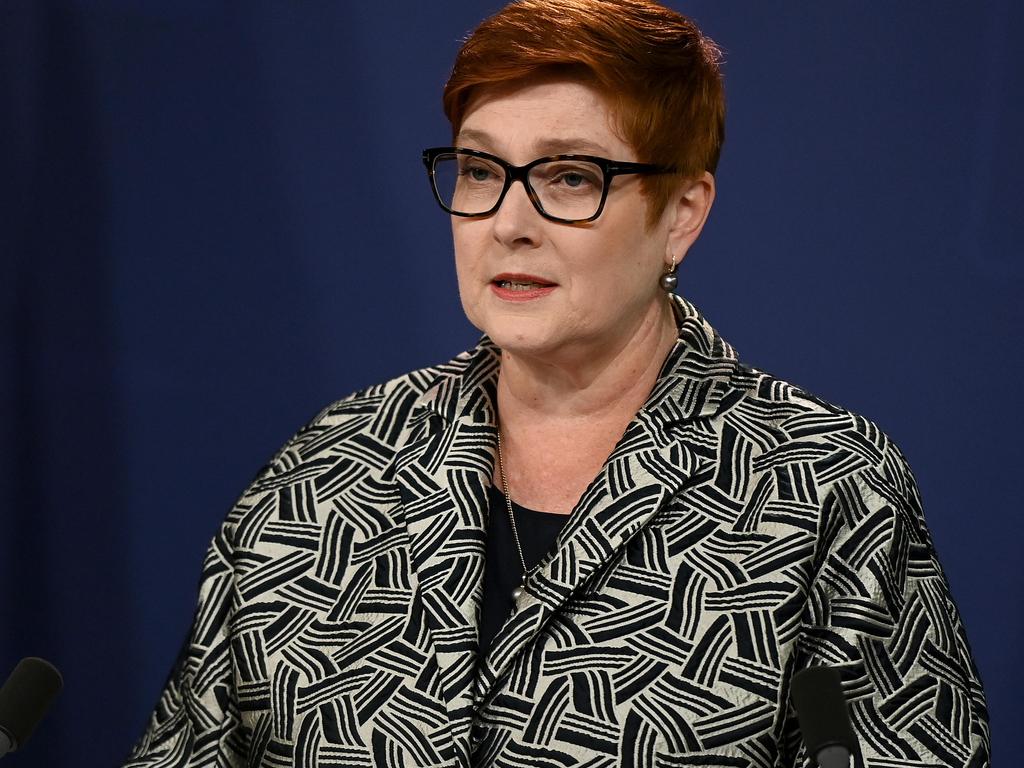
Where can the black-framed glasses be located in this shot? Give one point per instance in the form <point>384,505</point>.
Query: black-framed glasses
<point>570,189</point>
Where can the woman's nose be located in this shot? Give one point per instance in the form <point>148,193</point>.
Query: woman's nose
<point>517,220</point>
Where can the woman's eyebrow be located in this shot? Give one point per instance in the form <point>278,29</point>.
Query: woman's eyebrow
<point>474,135</point>
<point>553,146</point>
<point>572,145</point>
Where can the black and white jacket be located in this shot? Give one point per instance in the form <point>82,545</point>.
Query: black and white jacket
<point>742,529</point>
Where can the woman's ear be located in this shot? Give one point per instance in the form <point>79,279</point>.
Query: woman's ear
<point>688,209</point>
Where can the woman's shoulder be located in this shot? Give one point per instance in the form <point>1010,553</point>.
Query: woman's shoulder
<point>790,428</point>
<point>373,422</point>
<point>707,376</point>
<point>350,441</point>
<point>389,402</point>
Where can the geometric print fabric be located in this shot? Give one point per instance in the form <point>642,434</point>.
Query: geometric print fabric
<point>741,530</point>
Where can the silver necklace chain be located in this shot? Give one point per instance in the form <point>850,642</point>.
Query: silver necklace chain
<point>508,506</point>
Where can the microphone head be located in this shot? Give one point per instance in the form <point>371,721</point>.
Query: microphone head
<point>817,695</point>
<point>26,696</point>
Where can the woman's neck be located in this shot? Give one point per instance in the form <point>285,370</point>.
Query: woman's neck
<point>587,383</point>
<point>560,423</point>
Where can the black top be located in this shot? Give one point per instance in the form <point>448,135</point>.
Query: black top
<point>502,570</point>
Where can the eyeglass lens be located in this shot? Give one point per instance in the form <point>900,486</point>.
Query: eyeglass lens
<point>567,189</point>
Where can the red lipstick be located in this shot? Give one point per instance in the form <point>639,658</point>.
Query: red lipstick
<point>520,287</point>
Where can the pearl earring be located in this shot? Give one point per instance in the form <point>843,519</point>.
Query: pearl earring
<point>669,280</point>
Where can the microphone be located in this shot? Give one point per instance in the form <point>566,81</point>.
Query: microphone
<point>24,699</point>
<point>817,695</point>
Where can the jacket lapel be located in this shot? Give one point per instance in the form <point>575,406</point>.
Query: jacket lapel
<point>650,464</point>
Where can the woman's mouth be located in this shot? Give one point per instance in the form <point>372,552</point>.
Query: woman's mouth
<point>521,287</point>
<point>517,285</point>
<point>522,282</point>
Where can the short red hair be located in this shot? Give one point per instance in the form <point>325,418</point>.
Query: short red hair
<point>660,73</point>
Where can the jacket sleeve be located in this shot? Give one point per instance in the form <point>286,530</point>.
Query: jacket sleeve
<point>196,720</point>
<point>880,610</point>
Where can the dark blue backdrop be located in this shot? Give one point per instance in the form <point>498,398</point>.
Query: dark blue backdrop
<point>214,221</point>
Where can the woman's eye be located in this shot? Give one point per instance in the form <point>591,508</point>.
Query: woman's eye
<point>477,173</point>
<point>572,178</point>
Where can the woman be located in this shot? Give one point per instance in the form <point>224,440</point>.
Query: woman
<point>597,538</point>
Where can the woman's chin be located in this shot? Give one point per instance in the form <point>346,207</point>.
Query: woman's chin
<point>519,343</point>
<point>554,346</point>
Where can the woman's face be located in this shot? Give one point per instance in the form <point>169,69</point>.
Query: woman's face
<point>599,281</point>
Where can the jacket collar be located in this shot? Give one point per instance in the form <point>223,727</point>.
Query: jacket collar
<point>692,381</point>
<point>445,468</point>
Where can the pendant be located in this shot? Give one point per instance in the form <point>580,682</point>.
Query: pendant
<point>517,594</point>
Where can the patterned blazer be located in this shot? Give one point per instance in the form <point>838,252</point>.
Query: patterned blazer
<point>742,529</point>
